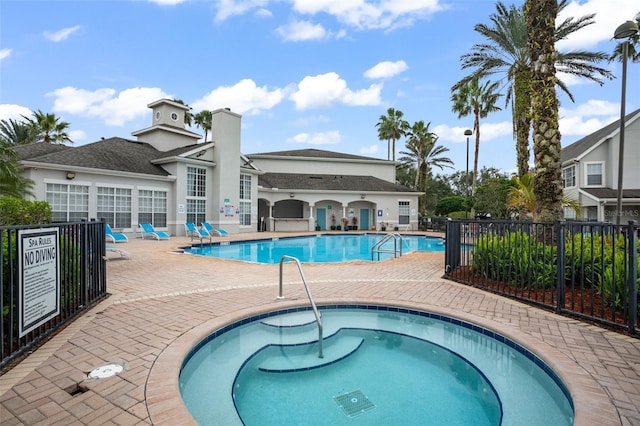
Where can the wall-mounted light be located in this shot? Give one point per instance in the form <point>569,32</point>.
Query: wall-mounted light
<point>292,195</point>
<point>362,196</point>
<point>71,175</point>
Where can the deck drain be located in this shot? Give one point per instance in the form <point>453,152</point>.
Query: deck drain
<point>354,403</point>
<point>105,371</point>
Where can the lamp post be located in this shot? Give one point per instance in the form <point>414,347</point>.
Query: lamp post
<point>467,133</point>
<point>624,31</point>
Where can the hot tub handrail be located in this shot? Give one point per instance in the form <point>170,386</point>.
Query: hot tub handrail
<point>313,303</point>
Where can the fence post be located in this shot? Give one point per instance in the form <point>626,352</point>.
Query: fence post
<point>560,263</point>
<point>452,246</point>
<point>84,260</point>
<point>632,277</point>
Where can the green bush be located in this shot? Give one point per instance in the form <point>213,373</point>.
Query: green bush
<point>16,211</point>
<point>590,259</point>
<point>515,258</point>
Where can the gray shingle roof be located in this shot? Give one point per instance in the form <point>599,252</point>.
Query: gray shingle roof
<point>603,193</point>
<point>33,150</point>
<point>115,154</point>
<point>314,153</point>
<point>290,181</point>
<point>582,145</point>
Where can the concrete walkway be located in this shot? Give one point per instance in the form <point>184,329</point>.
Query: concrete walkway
<point>162,302</point>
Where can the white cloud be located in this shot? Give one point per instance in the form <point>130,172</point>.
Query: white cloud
<point>360,14</point>
<point>319,138</point>
<point>229,8</point>
<point>77,135</point>
<point>386,69</point>
<point>13,111</point>
<point>60,35</point>
<point>323,90</point>
<point>243,97</point>
<point>129,104</point>
<point>369,150</point>
<point>588,117</point>
<point>166,2</point>
<point>4,53</point>
<point>608,16</point>
<point>488,132</point>
<point>301,31</point>
<point>308,121</point>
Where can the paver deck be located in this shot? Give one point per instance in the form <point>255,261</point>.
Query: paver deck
<point>162,302</point>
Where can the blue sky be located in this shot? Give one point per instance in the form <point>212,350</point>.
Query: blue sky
<point>303,73</point>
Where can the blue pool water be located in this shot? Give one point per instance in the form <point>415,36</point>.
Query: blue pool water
<point>320,248</point>
<point>381,365</point>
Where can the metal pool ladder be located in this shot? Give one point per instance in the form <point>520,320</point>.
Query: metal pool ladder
<point>377,247</point>
<point>313,304</point>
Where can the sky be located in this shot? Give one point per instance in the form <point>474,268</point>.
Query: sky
<point>302,73</point>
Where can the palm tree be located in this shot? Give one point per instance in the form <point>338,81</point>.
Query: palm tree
<point>471,98</point>
<point>424,153</point>
<point>523,201</point>
<point>506,53</point>
<point>14,132</point>
<point>632,53</point>
<point>204,120</point>
<point>48,128</point>
<point>12,183</point>
<point>390,128</point>
<point>547,185</point>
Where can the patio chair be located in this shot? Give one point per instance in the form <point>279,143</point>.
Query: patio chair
<point>193,232</point>
<point>214,231</point>
<point>148,231</point>
<point>123,253</point>
<point>115,237</point>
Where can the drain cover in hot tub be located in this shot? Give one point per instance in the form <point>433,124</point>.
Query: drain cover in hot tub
<point>354,403</point>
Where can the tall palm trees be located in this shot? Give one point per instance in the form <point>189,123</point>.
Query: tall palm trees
<point>471,98</point>
<point>391,128</point>
<point>424,153</point>
<point>506,53</point>
<point>48,128</point>
<point>13,132</point>
<point>204,120</point>
<point>547,184</point>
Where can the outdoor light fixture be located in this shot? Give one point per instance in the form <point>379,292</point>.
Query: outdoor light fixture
<point>292,195</point>
<point>624,31</point>
<point>362,196</point>
<point>467,133</point>
<point>71,175</point>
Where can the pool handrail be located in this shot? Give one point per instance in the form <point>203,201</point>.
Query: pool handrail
<point>376,247</point>
<point>313,303</point>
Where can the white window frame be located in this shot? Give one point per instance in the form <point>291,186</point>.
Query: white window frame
<point>602,174</point>
<point>73,211</point>
<point>155,205</point>
<point>117,210</point>
<point>245,199</point>
<point>565,171</point>
<point>196,194</point>
<point>404,206</point>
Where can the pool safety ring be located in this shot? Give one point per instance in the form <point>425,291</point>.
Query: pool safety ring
<point>104,371</point>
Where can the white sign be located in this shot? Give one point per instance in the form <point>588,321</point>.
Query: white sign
<point>39,268</point>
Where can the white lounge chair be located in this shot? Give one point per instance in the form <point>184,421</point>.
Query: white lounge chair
<point>193,232</point>
<point>216,232</point>
<point>149,231</point>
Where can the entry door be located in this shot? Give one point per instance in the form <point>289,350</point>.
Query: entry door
<point>321,218</point>
<point>364,219</point>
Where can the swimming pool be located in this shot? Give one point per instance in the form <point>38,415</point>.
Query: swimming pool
<point>381,365</point>
<point>316,248</point>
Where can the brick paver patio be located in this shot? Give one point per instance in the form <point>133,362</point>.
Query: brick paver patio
<point>163,301</point>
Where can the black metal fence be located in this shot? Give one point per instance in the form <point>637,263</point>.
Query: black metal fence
<point>50,274</point>
<point>585,269</point>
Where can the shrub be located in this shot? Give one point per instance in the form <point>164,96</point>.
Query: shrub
<point>16,211</point>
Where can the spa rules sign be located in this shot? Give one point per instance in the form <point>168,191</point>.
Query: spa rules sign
<point>39,269</point>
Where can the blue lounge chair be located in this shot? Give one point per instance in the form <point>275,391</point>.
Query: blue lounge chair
<point>193,232</point>
<point>214,231</point>
<point>115,237</point>
<point>148,231</point>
